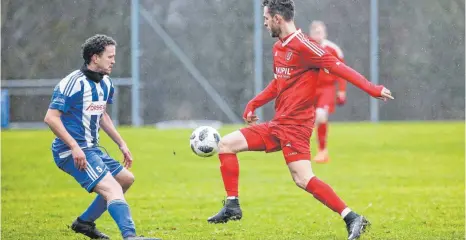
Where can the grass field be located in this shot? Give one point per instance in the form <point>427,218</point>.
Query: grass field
<point>407,178</point>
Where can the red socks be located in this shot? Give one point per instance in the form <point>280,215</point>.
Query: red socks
<point>229,168</point>
<point>325,194</point>
<point>322,135</point>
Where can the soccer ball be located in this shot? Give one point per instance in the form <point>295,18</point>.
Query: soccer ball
<point>204,141</point>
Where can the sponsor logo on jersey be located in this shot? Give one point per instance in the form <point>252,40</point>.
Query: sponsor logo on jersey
<point>282,72</point>
<point>59,100</point>
<point>95,108</point>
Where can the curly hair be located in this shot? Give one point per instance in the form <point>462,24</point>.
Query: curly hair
<point>282,7</point>
<point>95,45</point>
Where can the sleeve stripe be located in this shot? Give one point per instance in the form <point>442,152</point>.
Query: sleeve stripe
<point>316,49</point>
<point>70,85</point>
<point>66,82</point>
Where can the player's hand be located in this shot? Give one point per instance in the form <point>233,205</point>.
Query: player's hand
<point>341,98</point>
<point>251,118</point>
<point>385,94</point>
<point>79,158</point>
<point>127,157</point>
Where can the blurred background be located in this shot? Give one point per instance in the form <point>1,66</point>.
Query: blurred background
<point>196,59</point>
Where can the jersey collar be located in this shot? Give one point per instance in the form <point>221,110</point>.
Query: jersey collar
<point>290,37</point>
<point>94,76</point>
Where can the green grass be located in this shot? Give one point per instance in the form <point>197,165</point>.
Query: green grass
<point>407,178</point>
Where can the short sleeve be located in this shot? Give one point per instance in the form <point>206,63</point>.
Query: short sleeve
<point>314,55</point>
<point>64,94</point>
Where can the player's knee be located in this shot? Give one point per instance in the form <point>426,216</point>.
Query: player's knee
<point>321,115</point>
<point>225,146</point>
<point>302,180</point>
<point>228,144</point>
<point>109,188</point>
<point>116,191</point>
<point>131,179</point>
<point>127,181</point>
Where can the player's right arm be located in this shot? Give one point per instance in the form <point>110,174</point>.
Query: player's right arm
<point>53,120</point>
<point>267,95</point>
<point>61,101</point>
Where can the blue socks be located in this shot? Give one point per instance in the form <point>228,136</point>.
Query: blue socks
<point>95,210</point>
<point>119,210</point>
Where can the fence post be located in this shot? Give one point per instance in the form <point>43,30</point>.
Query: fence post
<point>258,66</point>
<point>135,99</point>
<point>374,27</point>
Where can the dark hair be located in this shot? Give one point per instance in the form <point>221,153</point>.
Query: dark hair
<point>282,7</point>
<point>95,45</point>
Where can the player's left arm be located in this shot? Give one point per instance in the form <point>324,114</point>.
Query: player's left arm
<point>108,127</point>
<point>344,71</point>
<point>336,51</point>
<point>318,57</point>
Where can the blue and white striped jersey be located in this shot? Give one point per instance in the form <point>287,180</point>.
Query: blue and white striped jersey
<point>82,103</point>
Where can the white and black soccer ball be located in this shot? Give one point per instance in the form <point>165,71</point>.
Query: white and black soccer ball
<point>204,141</point>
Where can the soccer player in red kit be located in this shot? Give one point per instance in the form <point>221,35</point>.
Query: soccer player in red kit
<point>327,94</point>
<point>297,61</point>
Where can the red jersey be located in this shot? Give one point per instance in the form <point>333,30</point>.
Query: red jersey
<point>325,78</point>
<point>296,63</point>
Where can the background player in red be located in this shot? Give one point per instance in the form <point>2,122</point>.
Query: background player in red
<point>326,89</point>
<point>296,64</point>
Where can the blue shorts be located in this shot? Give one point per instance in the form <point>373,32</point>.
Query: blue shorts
<point>98,164</point>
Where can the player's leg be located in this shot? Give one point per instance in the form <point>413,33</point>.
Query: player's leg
<point>302,174</point>
<point>325,106</point>
<point>246,139</point>
<point>112,192</point>
<point>118,208</point>
<point>295,141</point>
<point>87,179</point>
<point>97,178</point>
<point>229,146</point>
<point>124,177</point>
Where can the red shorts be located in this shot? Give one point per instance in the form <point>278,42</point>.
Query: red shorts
<point>326,98</point>
<point>293,140</point>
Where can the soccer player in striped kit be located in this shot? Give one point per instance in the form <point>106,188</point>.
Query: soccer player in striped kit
<point>297,61</point>
<point>76,114</point>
